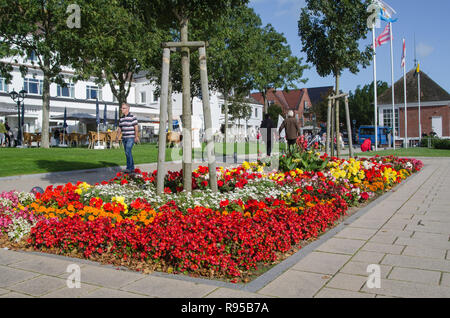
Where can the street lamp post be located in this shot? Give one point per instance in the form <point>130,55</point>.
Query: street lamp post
<point>19,98</point>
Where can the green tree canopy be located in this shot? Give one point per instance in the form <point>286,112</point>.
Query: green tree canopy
<point>36,26</point>
<point>274,66</point>
<point>360,103</point>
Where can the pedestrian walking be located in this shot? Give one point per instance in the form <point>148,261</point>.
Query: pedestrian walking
<point>128,127</point>
<point>291,128</point>
<point>2,133</point>
<point>266,127</point>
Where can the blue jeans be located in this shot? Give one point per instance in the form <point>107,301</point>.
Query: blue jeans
<point>128,145</point>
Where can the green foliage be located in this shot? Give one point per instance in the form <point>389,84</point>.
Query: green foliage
<point>274,112</point>
<point>360,103</point>
<point>274,66</point>
<point>435,143</point>
<point>238,108</point>
<point>302,159</point>
<point>113,43</point>
<point>330,32</point>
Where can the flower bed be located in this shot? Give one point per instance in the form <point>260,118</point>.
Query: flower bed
<point>254,219</point>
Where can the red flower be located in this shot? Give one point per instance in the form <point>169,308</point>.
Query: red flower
<point>167,190</point>
<point>124,181</point>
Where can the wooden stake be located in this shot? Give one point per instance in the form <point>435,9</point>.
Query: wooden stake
<point>349,128</point>
<point>208,121</point>
<point>162,122</point>
<point>327,147</point>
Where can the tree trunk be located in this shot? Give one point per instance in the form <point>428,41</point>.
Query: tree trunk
<point>266,106</point>
<point>338,136</point>
<point>45,108</point>
<point>225,109</point>
<point>187,119</point>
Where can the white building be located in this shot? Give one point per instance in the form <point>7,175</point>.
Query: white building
<point>81,97</point>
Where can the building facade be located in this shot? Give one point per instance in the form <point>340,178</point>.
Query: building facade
<point>434,108</point>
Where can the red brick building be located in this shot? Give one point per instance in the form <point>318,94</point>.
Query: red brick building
<point>296,100</point>
<point>434,107</point>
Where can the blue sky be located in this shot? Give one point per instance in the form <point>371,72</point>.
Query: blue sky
<point>428,20</point>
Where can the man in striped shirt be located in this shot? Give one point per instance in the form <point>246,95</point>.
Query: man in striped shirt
<point>128,126</point>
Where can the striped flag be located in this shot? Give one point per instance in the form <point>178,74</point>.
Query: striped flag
<point>404,54</point>
<point>384,37</point>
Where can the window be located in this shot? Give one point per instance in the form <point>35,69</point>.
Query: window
<point>93,92</point>
<point>32,57</point>
<point>68,91</point>
<point>387,118</point>
<point>143,98</point>
<point>155,97</point>
<point>256,112</point>
<point>33,86</point>
<point>3,85</point>
<point>306,104</point>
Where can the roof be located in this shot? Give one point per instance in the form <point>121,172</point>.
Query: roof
<point>316,94</point>
<point>287,99</point>
<point>430,90</point>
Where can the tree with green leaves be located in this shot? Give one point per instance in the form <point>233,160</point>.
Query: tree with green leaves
<point>273,65</point>
<point>360,102</point>
<point>114,43</point>
<point>176,14</point>
<point>37,26</point>
<point>274,112</point>
<point>330,32</point>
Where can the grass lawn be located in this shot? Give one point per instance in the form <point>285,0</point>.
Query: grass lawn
<point>18,161</point>
<point>410,152</point>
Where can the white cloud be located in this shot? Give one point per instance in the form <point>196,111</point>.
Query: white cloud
<point>424,50</point>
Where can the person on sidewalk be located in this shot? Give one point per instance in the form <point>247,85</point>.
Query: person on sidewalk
<point>292,129</point>
<point>128,127</point>
<point>2,133</point>
<point>266,127</point>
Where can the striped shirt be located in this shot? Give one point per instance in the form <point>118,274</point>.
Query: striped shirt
<point>127,124</point>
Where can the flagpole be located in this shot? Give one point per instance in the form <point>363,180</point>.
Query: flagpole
<point>375,87</point>
<point>406,106</point>
<point>393,85</point>
<point>418,94</point>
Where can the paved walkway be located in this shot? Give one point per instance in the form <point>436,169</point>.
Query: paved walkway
<point>406,233</point>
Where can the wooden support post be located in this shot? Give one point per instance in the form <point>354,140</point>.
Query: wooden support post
<point>187,110</point>
<point>162,122</point>
<point>338,135</point>
<point>208,121</point>
<point>349,129</point>
<point>327,146</point>
<point>333,127</point>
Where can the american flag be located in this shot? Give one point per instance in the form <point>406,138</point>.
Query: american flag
<point>384,37</point>
<point>404,54</point>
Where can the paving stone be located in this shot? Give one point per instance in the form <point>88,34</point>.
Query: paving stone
<point>383,238</point>
<point>15,295</point>
<point>442,228</point>
<point>369,223</point>
<point>3,291</point>
<point>11,276</point>
<point>408,289</point>
<point>168,287</point>
<point>295,284</point>
<point>45,265</point>
<point>347,282</point>
<point>422,243</point>
<point>417,262</point>
<point>343,246</point>
<point>368,257</point>
<point>66,292</point>
<point>339,293</point>
<point>359,268</point>
<point>445,279</point>
<point>415,275</point>
<point>233,293</point>
<point>107,277</point>
<point>111,293</point>
<point>383,248</point>
<point>8,257</point>
<point>356,233</point>
<point>430,237</point>
<point>424,252</point>
<point>39,286</point>
<point>324,263</point>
